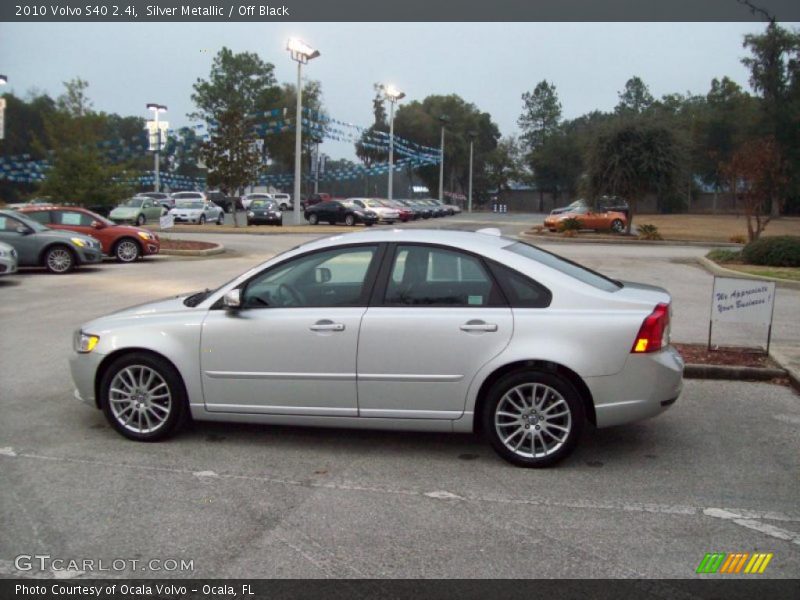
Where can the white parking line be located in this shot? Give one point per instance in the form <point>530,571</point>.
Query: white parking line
<point>748,518</point>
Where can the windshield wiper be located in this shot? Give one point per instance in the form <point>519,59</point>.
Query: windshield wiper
<point>197,298</point>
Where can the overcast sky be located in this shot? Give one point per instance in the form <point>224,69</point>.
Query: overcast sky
<point>488,64</point>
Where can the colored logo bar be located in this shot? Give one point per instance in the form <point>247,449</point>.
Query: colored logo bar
<point>734,563</point>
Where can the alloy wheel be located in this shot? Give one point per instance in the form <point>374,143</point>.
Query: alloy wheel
<point>140,399</point>
<point>59,260</point>
<point>127,251</point>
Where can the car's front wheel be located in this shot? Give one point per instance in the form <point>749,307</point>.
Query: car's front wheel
<point>59,260</point>
<point>617,226</point>
<point>533,418</point>
<point>221,219</point>
<point>141,220</point>
<point>126,250</point>
<point>202,220</point>
<point>142,397</point>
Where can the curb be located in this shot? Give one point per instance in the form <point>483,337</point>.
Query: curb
<point>700,371</point>
<point>634,242</point>
<point>218,249</point>
<point>780,358</point>
<point>715,269</point>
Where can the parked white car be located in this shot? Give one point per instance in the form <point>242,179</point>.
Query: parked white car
<point>385,214</point>
<point>196,211</point>
<point>419,330</point>
<point>8,259</point>
<point>284,201</point>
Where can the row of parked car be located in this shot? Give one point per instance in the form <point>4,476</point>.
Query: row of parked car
<point>369,211</point>
<point>61,238</point>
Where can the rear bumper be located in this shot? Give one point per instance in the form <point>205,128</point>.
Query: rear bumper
<point>646,386</point>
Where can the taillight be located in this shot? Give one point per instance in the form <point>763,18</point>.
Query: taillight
<point>653,332</point>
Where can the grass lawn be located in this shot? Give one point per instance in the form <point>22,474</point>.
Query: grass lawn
<point>792,273</point>
<point>713,228</point>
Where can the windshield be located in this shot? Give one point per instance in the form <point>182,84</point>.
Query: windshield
<point>133,202</point>
<point>196,204</point>
<point>567,267</point>
<point>268,204</point>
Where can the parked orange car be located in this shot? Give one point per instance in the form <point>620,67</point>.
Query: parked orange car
<point>590,219</point>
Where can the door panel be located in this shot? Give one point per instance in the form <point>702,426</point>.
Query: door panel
<point>281,361</point>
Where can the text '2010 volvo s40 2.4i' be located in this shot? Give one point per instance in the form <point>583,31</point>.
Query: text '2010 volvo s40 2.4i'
<point>404,330</point>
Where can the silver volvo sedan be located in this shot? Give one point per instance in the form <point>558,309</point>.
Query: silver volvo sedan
<point>406,330</point>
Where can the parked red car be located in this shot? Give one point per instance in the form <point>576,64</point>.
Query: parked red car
<point>124,242</point>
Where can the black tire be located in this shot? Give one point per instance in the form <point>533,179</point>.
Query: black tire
<point>349,220</point>
<point>617,226</point>
<point>59,259</point>
<point>141,220</point>
<point>566,399</point>
<point>368,224</point>
<point>284,207</point>
<point>202,220</point>
<point>127,250</point>
<point>176,408</point>
<point>221,219</point>
<point>313,219</point>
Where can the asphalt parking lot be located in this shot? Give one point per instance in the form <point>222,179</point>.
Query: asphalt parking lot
<point>718,472</point>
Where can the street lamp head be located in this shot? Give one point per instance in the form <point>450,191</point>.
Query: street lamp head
<point>444,120</point>
<point>392,93</point>
<point>156,107</point>
<point>472,134</point>
<point>3,79</point>
<point>300,51</point>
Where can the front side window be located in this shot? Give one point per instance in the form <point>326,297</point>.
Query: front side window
<point>332,278</point>
<point>432,276</point>
<point>40,216</point>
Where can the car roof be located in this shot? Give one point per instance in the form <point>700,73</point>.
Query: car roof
<point>468,240</point>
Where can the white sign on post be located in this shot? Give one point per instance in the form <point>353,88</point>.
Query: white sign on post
<point>744,301</point>
<point>166,222</point>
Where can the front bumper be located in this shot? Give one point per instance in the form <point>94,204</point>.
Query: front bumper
<point>268,219</point>
<point>646,386</point>
<point>83,368</point>
<point>7,266</point>
<point>88,256</point>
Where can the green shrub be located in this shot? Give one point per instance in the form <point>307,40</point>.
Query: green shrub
<point>570,224</point>
<point>648,232</point>
<point>723,255</point>
<point>780,251</point>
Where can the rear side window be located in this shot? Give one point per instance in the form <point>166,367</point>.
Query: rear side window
<point>40,216</point>
<point>521,291</point>
<point>565,266</point>
<point>71,217</point>
<point>431,276</point>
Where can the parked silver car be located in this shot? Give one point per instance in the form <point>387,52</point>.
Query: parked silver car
<point>406,329</point>
<point>8,259</point>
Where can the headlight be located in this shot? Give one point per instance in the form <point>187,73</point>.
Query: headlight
<point>3,252</point>
<point>85,342</point>
<point>78,242</point>
<point>144,235</point>
<point>250,213</point>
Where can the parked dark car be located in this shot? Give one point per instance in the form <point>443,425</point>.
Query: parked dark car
<point>333,211</point>
<point>162,198</point>
<point>264,212</point>
<point>425,211</point>
<point>315,199</point>
<point>226,203</point>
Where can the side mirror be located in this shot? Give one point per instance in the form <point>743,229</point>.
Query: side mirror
<point>322,275</point>
<point>233,299</point>
<point>97,225</point>
<point>24,230</point>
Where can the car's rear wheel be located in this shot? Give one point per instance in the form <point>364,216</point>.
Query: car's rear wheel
<point>221,219</point>
<point>313,219</point>
<point>141,220</point>
<point>202,220</point>
<point>59,259</point>
<point>127,250</point>
<point>284,207</point>
<point>349,220</point>
<point>533,418</point>
<point>617,226</point>
<point>142,396</point>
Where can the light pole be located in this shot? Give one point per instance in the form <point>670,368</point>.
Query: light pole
<point>317,142</point>
<point>472,135</point>
<point>393,95</point>
<point>300,53</point>
<point>444,121</point>
<point>157,108</point>
<point>3,81</point>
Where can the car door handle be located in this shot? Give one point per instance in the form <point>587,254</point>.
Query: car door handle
<point>327,326</point>
<point>476,325</point>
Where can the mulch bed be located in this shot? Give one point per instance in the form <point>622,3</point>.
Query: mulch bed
<point>170,244</point>
<point>732,357</point>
